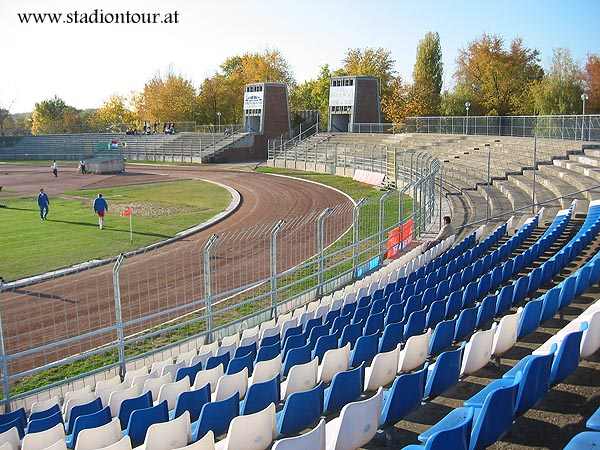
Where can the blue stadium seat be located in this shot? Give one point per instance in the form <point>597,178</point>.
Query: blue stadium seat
<point>324,343</point>
<point>530,317</point>
<point>377,306</point>
<point>45,413</point>
<point>269,341</point>
<point>350,333</point>
<point>15,417</point>
<point>484,285</point>
<point>443,289</point>
<point>45,423</point>
<point>214,361</point>
<point>192,401</point>
<point>415,324</point>
<point>412,304</point>
<point>237,364</point>
<point>14,423</point>
<point>490,421</point>
<point>466,275</point>
<point>141,419</point>
<point>454,436</point>
<point>394,298</point>
<point>428,297</point>
<point>268,352</point>
<point>250,349</point>
<point>260,395</point>
<point>131,404</point>
<point>310,324</point>
<point>535,280</point>
<point>520,289</point>
<point>442,336</point>
<point>82,410</point>
<point>374,323</point>
<point>292,331</point>
<point>339,323</point>
<point>504,300</point>
<point>486,311</point>
<point>216,417</point>
<point>404,396</point>
<point>300,411</point>
<point>392,336</point>
<point>465,324</point>
<point>469,295</point>
<point>436,313</point>
<point>584,441</point>
<point>593,423</point>
<point>294,341</point>
<point>395,313</point>
<point>332,315</point>
<point>365,350</point>
<point>345,387</point>
<point>295,356</point>
<point>550,304</point>
<point>454,304</point>
<point>567,356</point>
<point>190,372</point>
<point>567,292</point>
<point>443,373</point>
<point>84,422</point>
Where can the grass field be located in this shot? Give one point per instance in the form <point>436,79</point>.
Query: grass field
<point>71,235</point>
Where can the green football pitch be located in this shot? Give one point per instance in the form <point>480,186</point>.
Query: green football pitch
<point>70,234</point>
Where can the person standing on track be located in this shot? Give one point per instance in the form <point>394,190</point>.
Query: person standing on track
<point>43,203</point>
<point>54,168</point>
<point>100,208</point>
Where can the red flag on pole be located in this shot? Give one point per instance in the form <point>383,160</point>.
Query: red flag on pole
<point>127,211</point>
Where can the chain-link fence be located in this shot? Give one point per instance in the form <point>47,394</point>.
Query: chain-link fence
<point>56,333</point>
<point>572,127</point>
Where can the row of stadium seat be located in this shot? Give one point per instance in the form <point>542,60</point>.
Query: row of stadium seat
<point>353,371</point>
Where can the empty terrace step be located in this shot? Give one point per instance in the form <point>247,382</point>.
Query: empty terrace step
<point>499,202</point>
<point>584,169</point>
<point>518,197</point>
<point>542,193</point>
<point>576,181</point>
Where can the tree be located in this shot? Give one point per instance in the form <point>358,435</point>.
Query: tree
<point>559,92</point>
<point>113,114</point>
<point>375,62</point>
<point>498,79</point>
<point>313,95</point>
<point>4,116</point>
<point>169,98</point>
<point>397,104</point>
<point>224,91</point>
<point>592,81</point>
<point>55,116</point>
<point>427,75</point>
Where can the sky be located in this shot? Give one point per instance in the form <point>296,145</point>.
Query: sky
<point>84,64</point>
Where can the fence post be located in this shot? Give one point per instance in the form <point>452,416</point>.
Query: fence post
<point>273,260</point>
<point>321,249</point>
<point>118,313</point>
<point>208,284</point>
<point>534,170</point>
<point>4,359</point>
<point>382,200</point>
<point>356,234</point>
<point>489,182</point>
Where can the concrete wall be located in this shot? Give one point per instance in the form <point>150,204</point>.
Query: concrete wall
<point>276,113</point>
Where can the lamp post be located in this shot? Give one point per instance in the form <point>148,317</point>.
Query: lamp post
<point>467,106</point>
<point>219,121</point>
<point>584,97</point>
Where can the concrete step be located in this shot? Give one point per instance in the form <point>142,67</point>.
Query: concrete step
<point>586,159</point>
<point>518,198</point>
<point>577,181</point>
<point>584,169</point>
<point>542,193</point>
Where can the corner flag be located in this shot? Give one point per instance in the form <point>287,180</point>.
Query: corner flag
<point>128,212</point>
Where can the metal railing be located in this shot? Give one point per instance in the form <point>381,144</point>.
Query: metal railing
<point>143,308</point>
<point>571,127</point>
